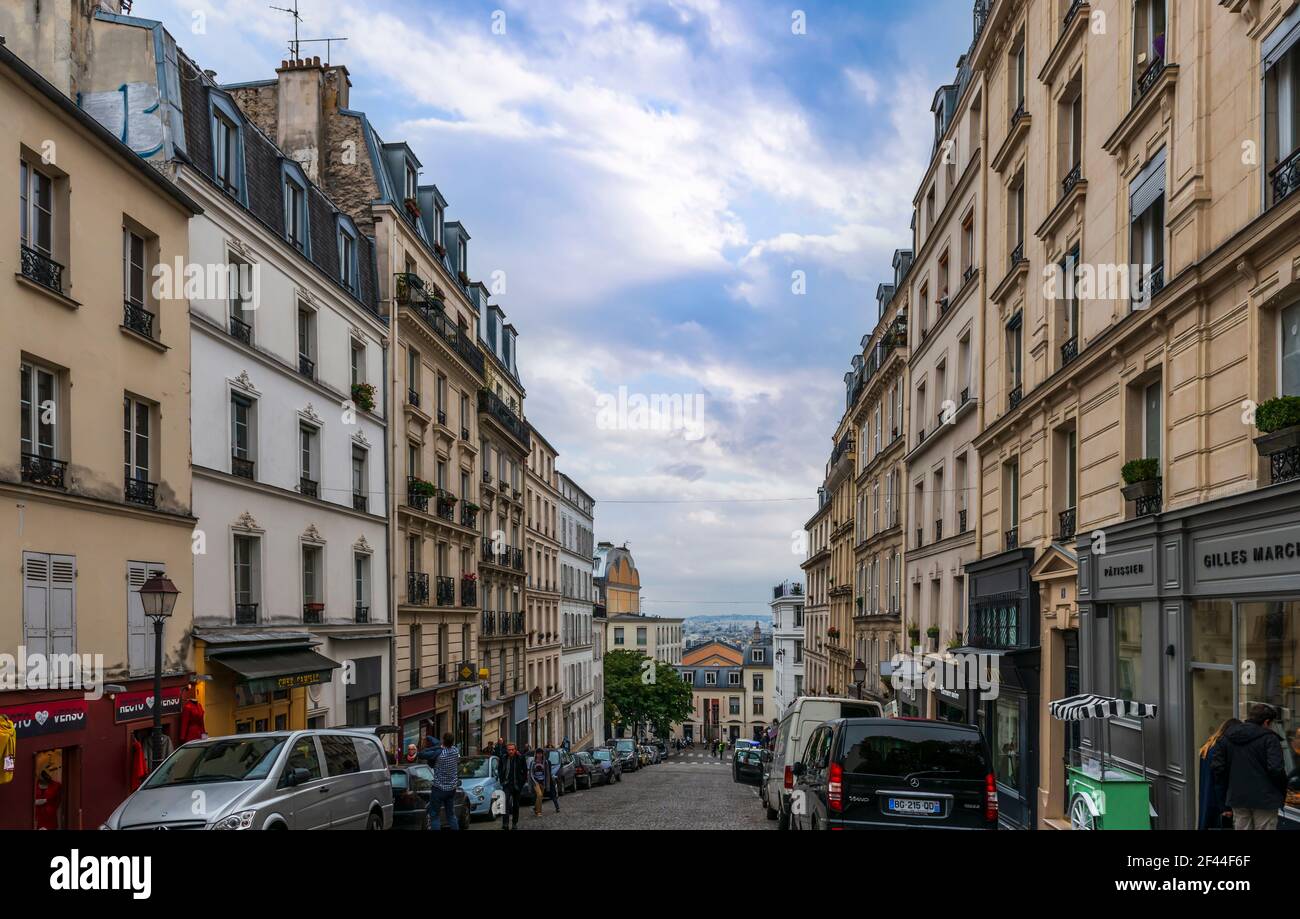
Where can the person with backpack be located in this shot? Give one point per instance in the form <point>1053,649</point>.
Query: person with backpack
<point>445,761</point>
<point>1248,764</point>
<point>543,783</point>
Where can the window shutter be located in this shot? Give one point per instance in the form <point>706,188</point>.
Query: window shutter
<point>1280,40</point>
<point>36,593</point>
<point>63,604</point>
<point>1148,187</point>
<point>140,646</point>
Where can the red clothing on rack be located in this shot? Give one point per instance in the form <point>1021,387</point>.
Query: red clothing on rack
<point>192,727</point>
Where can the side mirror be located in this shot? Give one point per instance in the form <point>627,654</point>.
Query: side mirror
<point>298,776</point>
<point>797,769</point>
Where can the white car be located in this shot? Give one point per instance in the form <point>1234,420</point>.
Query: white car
<point>803,716</point>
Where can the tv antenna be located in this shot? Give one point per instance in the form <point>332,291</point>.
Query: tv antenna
<point>295,46</point>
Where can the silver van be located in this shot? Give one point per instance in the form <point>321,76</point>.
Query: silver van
<point>333,779</point>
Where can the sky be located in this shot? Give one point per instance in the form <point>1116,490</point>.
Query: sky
<point>690,202</point>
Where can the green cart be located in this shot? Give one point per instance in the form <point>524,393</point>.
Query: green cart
<point>1102,795</point>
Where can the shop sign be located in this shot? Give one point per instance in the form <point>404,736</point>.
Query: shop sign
<point>40,718</point>
<point>134,706</point>
<point>289,681</point>
<point>1119,570</point>
<point>1252,555</point>
<point>469,699</point>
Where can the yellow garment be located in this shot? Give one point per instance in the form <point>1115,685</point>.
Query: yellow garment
<point>8,750</point>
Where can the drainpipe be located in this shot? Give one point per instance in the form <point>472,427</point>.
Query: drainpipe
<point>389,515</point>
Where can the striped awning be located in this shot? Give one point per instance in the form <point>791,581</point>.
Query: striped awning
<point>1089,705</point>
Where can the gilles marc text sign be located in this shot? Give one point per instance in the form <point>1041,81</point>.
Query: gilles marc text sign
<point>1267,553</point>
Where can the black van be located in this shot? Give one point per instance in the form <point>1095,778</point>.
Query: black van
<point>894,773</point>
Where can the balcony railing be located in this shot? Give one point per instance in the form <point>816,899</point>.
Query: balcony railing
<point>413,398</point>
<point>246,613</point>
<point>445,506</point>
<point>242,467</point>
<point>1072,179</point>
<point>241,330</point>
<point>1152,504</point>
<point>982,9</point>
<point>468,517</point>
<point>1285,465</point>
<point>309,488</point>
<point>961,520</point>
<point>938,531</point>
<point>137,319</point>
<point>41,269</point>
<point>967,275</point>
<point>468,592</point>
<point>446,591</point>
<point>138,491</point>
<point>1071,13</point>
<point>361,502</point>
<point>1015,397</point>
<point>43,470</point>
<point>1153,283</point>
<point>1011,539</point>
<point>362,615</point>
<point>313,613</point>
<point>787,590</point>
<point>414,497</point>
<point>1067,518</point>
<point>1286,177</point>
<point>442,417</point>
<point>1148,78</point>
<point>920,537</point>
<point>1069,351</point>
<point>489,403</point>
<point>307,366</point>
<point>417,588</point>
<point>488,624</point>
<point>965,395</point>
<point>436,318</point>
<point>1017,255</point>
<point>1018,113</point>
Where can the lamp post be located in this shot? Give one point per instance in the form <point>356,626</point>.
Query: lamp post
<point>859,675</point>
<point>158,596</point>
<point>535,696</point>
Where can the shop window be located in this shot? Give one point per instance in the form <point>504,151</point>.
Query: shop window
<point>1290,348</point>
<point>1007,730</point>
<point>1128,652</point>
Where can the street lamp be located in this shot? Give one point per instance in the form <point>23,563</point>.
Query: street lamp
<point>158,597</point>
<point>859,674</point>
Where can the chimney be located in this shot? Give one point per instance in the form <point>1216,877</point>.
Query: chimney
<point>300,132</point>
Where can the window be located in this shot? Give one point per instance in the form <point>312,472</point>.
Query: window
<point>757,655</point>
<point>247,581</point>
<point>1016,217</point>
<point>308,462</point>
<point>733,705</point>
<point>967,245</point>
<point>1007,746</point>
<point>357,362</point>
<point>1128,652</point>
<point>36,213</point>
<point>1070,308</point>
<point>618,636</point>
<point>242,439</point>
<point>347,254</point>
<point>413,374</point>
<point>360,481</point>
<point>1148,37</point>
<point>311,576</point>
<point>306,342</point>
<point>711,678</point>
<point>135,441</point>
<point>1019,69</point>
<point>38,403</point>
<point>295,213</point>
<point>227,146</point>
<point>641,637</point>
<point>133,268</point>
<point>1071,470</point>
<point>361,584</point>
<point>1281,66</point>
<point>1152,403</point>
<point>1147,235</point>
<point>412,182</point>
<point>240,282</point>
<point>1011,488</point>
<point>1015,337</point>
<point>1290,348</point>
<point>49,603</point>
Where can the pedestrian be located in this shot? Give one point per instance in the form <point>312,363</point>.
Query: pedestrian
<point>540,774</point>
<point>499,749</point>
<point>514,775</point>
<point>1213,813</point>
<point>446,779</point>
<point>412,752</point>
<point>1249,766</point>
<point>564,745</point>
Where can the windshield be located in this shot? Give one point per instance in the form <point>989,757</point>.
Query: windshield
<point>475,767</point>
<point>601,756</point>
<point>554,757</point>
<point>903,750</point>
<point>625,746</point>
<point>232,760</point>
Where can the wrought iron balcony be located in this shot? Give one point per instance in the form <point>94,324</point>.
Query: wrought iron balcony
<point>938,531</point>
<point>1018,113</point>
<point>446,591</point>
<point>138,319</point>
<point>1285,465</point>
<point>1285,178</point>
<point>1067,518</point>
<point>138,491</point>
<point>967,275</point>
<point>445,505</point>
<point>491,404</point>
<point>241,330</point>
<point>920,537</point>
<point>435,317</point>
<point>515,558</point>
<point>442,417</point>
<point>242,466</point>
<point>1017,255</point>
<point>488,478</point>
<point>415,497</point>
<point>361,502</point>
<point>961,520</point>
<point>1148,78</point>
<point>362,615</point>
<point>942,303</point>
<point>1071,13</point>
<point>413,678</point>
<point>1015,397</point>
<point>982,11</point>
<point>1011,539</point>
<point>413,398</point>
<point>417,588</point>
<point>965,395</point>
<point>44,470</point>
<point>468,592</point>
<point>488,624</point>
<point>39,268</point>
<point>1152,504</point>
<point>307,366</point>
<point>464,434</point>
<point>309,488</point>
<point>1072,179</point>
<point>313,613</point>
<point>1154,282</point>
<point>246,613</point>
<point>468,517</point>
<point>1069,351</point>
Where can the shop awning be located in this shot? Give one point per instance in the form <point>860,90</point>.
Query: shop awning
<point>1088,705</point>
<point>279,670</point>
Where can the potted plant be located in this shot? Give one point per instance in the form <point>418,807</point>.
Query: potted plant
<point>1141,478</point>
<point>932,633</point>
<point>471,507</point>
<point>440,249</point>
<point>954,643</point>
<point>363,395</point>
<point>412,207</point>
<point>403,291</point>
<point>913,632</point>
<point>1278,422</point>
<point>421,487</point>
<point>472,576</point>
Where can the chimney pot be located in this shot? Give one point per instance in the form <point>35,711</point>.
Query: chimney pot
<point>315,61</point>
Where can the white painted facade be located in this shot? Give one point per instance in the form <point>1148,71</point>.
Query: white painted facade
<point>582,654</point>
<point>787,638</point>
<point>285,523</point>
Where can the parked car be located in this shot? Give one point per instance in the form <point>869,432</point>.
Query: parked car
<point>564,768</point>
<point>628,754</point>
<point>643,755</point>
<point>652,751</point>
<point>803,715</point>
<point>588,771</point>
<point>480,777</point>
<point>412,785</point>
<point>740,748</point>
<point>891,773</point>
<point>749,767</point>
<point>282,780</point>
<point>608,762</point>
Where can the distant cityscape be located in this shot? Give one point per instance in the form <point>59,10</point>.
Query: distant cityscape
<point>733,627</point>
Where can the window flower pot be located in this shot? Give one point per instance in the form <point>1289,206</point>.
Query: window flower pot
<point>1148,489</point>
<point>1277,441</point>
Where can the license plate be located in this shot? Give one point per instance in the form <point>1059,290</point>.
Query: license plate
<point>913,806</point>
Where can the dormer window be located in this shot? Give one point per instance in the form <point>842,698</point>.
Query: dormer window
<point>295,207</point>
<point>227,146</point>
<point>412,181</point>
<point>438,214</point>
<point>347,241</point>
<point>464,256</point>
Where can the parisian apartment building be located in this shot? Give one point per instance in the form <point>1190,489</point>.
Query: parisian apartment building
<point>1087,496</point>
<point>582,655</point>
<point>788,604</point>
<point>542,592</point>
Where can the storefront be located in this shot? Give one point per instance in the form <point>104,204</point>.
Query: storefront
<point>1003,624</point>
<point>1198,611</point>
<point>76,759</point>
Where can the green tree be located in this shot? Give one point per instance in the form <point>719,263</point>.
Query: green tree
<point>639,691</point>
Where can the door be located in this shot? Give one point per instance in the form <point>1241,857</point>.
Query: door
<point>307,804</point>
<point>348,810</point>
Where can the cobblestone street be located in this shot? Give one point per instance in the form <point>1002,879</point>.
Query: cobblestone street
<point>688,791</point>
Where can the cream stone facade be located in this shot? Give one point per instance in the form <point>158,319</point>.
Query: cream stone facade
<point>542,551</point>
<point>817,575</point>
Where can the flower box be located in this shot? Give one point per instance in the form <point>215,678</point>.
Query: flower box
<point>1277,441</point>
<point>1146,489</point>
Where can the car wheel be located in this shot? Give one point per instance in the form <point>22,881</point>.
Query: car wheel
<point>771,814</point>
<point>375,821</point>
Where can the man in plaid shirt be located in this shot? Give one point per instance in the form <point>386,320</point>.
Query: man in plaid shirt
<point>445,761</point>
